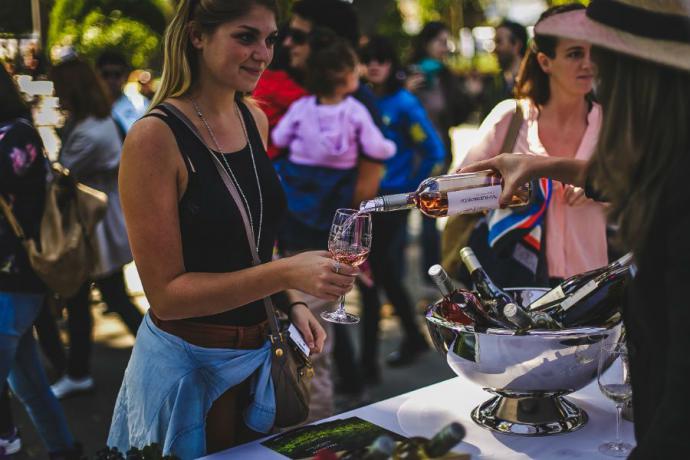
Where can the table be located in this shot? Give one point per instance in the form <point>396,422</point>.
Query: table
<point>424,411</point>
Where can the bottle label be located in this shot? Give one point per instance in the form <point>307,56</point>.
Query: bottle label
<point>474,199</point>
<point>579,295</point>
<point>555,294</point>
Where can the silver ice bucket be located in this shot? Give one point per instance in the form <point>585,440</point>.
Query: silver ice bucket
<point>529,374</point>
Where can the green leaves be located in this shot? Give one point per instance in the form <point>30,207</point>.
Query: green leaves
<point>132,27</point>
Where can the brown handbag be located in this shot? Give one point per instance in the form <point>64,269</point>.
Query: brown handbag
<point>291,370</point>
<point>66,251</point>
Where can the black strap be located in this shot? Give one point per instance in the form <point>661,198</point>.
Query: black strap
<point>166,117</point>
<point>513,130</point>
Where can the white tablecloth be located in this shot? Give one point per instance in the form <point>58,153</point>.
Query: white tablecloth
<point>424,411</point>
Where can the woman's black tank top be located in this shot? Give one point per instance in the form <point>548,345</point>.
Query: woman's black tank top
<point>213,235</point>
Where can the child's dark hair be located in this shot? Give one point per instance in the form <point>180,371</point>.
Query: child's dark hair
<point>381,49</point>
<point>329,57</point>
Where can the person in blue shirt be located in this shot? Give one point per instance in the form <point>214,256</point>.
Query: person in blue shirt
<point>419,151</point>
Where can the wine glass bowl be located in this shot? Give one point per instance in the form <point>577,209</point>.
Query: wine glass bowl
<point>613,376</point>
<point>529,372</point>
<point>349,243</point>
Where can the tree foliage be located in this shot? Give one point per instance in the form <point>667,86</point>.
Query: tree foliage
<point>134,27</point>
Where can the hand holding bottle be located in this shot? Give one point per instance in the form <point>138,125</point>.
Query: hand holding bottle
<point>518,168</point>
<point>450,194</point>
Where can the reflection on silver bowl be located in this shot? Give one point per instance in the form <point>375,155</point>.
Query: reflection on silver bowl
<point>528,373</point>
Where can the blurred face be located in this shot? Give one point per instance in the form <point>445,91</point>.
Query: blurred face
<point>115,77</point>
<point>437,48</point>
<point>378,72</point>
<point>297,41</point>
<point>237,52</point>
<point>571,70</point>
<point>506,51</point>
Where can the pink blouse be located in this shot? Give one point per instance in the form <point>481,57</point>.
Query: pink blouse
<point>575,235</point>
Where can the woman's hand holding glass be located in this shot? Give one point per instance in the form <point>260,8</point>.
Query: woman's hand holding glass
<point>313,272</point>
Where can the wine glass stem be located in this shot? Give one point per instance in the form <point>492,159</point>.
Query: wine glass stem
<point>619,408</point>
<point>341,306</point>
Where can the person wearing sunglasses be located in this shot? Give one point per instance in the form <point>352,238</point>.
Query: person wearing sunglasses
<point>284,82</point>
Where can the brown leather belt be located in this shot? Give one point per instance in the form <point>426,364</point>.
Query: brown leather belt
<point>209,335</point>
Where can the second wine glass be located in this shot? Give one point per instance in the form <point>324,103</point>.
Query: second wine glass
<point>349,243</point>
<point>614,382</point>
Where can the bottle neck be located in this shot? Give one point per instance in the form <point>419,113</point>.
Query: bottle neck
<point>440,277</point>
<point>387,203</point>
<point>470,260</point>
<point>443,441</point>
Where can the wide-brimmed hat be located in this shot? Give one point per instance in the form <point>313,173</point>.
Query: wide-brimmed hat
<point>654,30</point>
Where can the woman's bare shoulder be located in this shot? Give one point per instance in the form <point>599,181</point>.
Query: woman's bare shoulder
<point>150,139</point>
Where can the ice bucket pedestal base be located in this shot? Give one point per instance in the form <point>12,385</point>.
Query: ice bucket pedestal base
<point>529,415</point>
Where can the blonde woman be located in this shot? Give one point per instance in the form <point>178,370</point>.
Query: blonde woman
<point>198,380</point>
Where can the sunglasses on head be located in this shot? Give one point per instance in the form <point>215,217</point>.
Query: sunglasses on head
<point>299,37</point>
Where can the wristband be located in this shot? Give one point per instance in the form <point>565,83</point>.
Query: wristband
<point>294,304</point>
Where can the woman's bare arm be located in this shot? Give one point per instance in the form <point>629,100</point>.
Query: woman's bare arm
<point>151,183</point>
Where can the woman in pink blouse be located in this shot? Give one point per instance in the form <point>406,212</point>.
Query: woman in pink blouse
<point>553,89</point>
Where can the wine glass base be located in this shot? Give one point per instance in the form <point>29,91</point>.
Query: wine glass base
<point>615,449</point>
<point>340,318</point>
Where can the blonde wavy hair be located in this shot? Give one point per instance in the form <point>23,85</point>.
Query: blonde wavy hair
<point>179,56</point>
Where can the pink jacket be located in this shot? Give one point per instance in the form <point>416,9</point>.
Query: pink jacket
<point>575,235</point>
<point>330,135</point>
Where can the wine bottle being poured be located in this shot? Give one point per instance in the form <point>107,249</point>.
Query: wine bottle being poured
<point>451,194</point>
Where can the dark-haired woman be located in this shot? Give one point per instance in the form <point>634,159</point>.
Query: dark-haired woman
<point>640,166</point>
<point>560,120</point>
<point>198,380</point>
<point>91,148</point>
<point>23,171</point>
<point>419,150</point>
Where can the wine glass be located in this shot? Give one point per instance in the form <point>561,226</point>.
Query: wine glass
<point>349,243</point>
<point>614,382</point>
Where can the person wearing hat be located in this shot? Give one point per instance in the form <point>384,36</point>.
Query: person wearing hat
<point>640,167</point>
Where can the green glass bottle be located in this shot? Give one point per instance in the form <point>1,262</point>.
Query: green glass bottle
<point>419,448</point>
